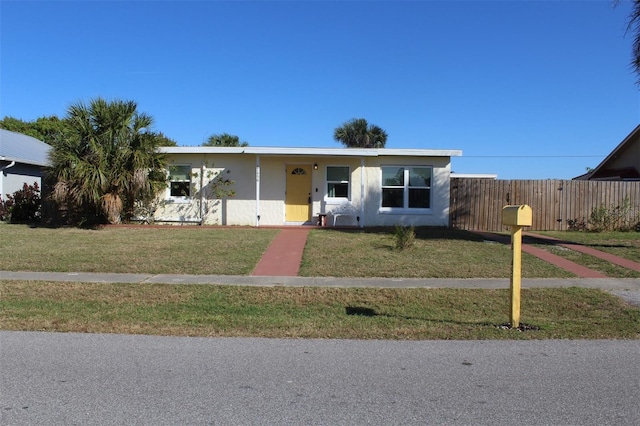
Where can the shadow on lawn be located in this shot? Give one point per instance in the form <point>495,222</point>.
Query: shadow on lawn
<point>422,232</point>
<point>369,312</point>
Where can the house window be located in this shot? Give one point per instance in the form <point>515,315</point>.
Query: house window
<point>406,187</point>
<point>338,182</point>
<point>180,181</point>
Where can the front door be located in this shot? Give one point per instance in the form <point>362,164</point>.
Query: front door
<point>298,195</point>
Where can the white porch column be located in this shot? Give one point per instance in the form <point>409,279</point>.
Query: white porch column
<point>362,196</point>
<point>257,190</point>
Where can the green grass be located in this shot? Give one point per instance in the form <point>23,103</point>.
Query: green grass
<point>436,253</point>
<point>286,312</point>
<point>167,250</point>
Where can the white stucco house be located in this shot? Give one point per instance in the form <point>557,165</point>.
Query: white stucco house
<point>296,186</point>
<point>23,159</point>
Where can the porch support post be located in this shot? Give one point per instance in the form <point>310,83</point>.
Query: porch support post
<point>257,190</point>
<point>362,197</point>
<point>202,170</point>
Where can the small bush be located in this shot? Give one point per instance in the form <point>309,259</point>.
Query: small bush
<point>24,204</point>
<point>405,237</point>
<point>577,225</point>
<point>613,218</point>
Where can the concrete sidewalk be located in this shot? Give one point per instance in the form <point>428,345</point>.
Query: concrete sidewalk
<point>288,281</point>
<point>627,288</point>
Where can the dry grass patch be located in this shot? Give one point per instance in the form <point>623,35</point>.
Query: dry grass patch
<point>304,312</point>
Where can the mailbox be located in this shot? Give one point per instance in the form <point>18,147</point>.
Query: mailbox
<point>517,215</point>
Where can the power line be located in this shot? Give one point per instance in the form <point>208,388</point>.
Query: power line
<point>532,156</point>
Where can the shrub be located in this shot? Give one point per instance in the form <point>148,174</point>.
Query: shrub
<point>577,225</point>
<point>613,218</point>
<point>5,207</point>
<point>24,204</point>
<point>405,237</point>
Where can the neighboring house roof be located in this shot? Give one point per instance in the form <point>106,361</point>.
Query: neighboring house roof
<point>474,175</point>
<point>23,149</point>
<point>332,152</point>
<point>622,164</point>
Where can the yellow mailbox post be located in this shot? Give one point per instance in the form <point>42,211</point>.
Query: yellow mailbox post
<point>516,217</point>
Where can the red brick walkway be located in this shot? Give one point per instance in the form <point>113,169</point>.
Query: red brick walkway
<point>625,263</point>
<point>574,268</point>
<point>579,270</point>
<point>284,254</point>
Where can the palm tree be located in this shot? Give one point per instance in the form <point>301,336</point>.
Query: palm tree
<point>108,162</point>
<point>634,26</point>
<point>224,139</point>
<point>357,133</point>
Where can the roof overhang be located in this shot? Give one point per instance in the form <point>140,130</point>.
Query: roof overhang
<point>600,167</point>
<point>317,152</point>
<point>24,161</point>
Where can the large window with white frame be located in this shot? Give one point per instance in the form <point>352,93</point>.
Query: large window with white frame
<point>406,187</point>
<point>338,183</point>
<point>179,181</point>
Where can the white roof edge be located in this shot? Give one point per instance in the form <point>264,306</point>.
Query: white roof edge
<point>344,152</point>
<point>26,161</point>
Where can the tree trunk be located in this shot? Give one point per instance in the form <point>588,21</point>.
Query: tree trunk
<point>112,207</point>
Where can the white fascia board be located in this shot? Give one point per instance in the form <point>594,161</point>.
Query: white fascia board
<point>200,150</point>
<point>333,152</point>
<point>420,152</point>
<point>26,161</point>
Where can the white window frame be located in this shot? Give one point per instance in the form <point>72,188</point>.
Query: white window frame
<point>180,198</point>
<point>336,200</point>
<point>405,209</point>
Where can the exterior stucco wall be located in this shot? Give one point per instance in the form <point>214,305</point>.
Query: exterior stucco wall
<point>242,209</point>
<point>438,214</point>
<point>203,203</point>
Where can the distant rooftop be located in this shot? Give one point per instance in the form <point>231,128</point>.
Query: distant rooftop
<point>23,149</point>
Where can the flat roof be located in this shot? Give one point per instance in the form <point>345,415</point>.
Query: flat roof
<point>333,152</point>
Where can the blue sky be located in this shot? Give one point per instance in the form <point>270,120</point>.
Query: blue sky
<point>526,89</point>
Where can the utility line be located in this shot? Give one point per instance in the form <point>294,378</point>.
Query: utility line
<point>532,156</point>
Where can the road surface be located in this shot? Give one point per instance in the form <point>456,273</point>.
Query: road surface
<point>66,379</point>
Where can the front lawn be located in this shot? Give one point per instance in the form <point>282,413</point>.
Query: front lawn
<point>437,253</point>
<point>303,312</point>
<point>153,250</point>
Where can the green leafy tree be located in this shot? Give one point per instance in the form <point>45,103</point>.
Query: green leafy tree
<point>164,140</point>
<point>357,133</point>
<point>109,161</point>
<point>49,129</point>
<point>224,139</point>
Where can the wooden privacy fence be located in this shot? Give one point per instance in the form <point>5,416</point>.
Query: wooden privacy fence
<point>477,203</point>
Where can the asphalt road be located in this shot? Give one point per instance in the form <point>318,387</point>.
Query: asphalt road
<point>82,379</point>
